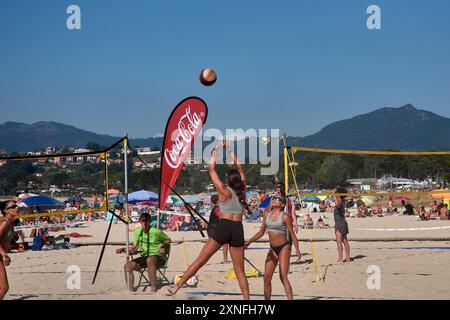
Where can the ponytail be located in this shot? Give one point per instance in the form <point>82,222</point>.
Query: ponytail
<point>235,182</point>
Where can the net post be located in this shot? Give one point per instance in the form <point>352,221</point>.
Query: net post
<point>127,234</point>
<point>157,218</point>
<point>286,167</point>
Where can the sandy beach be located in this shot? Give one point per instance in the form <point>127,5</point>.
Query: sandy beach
<point>412,265</point>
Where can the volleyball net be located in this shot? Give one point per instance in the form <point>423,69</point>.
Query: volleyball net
<point>367,173</point>
<point>371,177</point>
<point>73,182</point>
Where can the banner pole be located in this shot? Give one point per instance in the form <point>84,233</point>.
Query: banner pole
<point>127,234</point>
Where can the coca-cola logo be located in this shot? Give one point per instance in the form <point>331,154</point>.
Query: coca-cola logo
<point>188,126</point>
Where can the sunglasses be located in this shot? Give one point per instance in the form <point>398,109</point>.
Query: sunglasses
<point>12,207</point>
<point>278,199</point>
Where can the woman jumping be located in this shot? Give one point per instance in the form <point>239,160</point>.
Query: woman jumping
<point>229,229</point>
<point>281,236</point>
<point>341,226</point>
<point>9,211</point>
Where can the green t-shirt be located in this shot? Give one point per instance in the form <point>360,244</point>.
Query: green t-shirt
<point>150,242</point>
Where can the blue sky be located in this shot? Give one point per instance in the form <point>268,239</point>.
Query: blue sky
<point>290,64</point>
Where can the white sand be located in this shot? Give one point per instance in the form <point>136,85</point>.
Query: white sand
<point>405,274</point>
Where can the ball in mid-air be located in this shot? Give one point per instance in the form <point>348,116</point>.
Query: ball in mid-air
<point>266,140</point>
<point>208,77</point>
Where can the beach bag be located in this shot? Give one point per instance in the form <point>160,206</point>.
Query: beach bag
<point>253,273</point>
<point>38,242</point>
<point>58,243</point>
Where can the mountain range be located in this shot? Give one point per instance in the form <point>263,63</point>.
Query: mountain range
<point>403,128</point>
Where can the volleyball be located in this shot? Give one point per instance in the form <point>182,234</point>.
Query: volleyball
<point>208,77</point>
<point>177,278</point>
<point>265,140</point>
<point>192,282</point>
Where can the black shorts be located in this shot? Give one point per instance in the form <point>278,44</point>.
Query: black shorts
<point>231,232</point>
<point>142,262</point>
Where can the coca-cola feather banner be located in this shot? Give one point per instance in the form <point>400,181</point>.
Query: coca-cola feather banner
<point>184,125</point>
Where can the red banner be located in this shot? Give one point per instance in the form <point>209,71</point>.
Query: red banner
<point>183,126</point>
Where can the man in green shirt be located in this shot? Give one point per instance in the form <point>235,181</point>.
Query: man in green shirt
<point>153,245</point>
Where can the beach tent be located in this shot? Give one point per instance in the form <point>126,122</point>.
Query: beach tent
<point>444,195</point>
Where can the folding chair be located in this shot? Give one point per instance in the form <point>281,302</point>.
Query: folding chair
<point>161,278</point>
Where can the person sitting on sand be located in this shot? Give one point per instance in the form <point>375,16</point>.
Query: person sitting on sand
<point>322,206</point>
<point>362,211</point>
<point>309,223</point>
<point>409,208</point>
<point>321,224</point>
<point>153,245</point>
<point>434,209</point>
<point>423,214</point>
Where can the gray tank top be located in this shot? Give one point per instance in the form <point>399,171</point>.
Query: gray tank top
<point>8,235</point>
<point>277,225</point>
<point>233,205</point>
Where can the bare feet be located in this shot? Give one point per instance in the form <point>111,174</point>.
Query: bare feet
<point>173,290</point>
<point>347,260</point>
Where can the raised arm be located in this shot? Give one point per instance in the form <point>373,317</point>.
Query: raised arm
<point>223,192</point>
<point>236,162</point>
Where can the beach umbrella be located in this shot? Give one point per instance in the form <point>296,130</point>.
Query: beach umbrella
<point>400,198</point>
<point>188,199</point>
<point>310,199</point>
<point>142,195</point>
<point>43,203</point>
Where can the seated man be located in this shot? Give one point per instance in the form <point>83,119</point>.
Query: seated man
<point>362,211</point>
<point>409,208</point>
<point>309,223</point>
<point>153,245</point>
<point>423,214</point>
<point>187,224</point>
